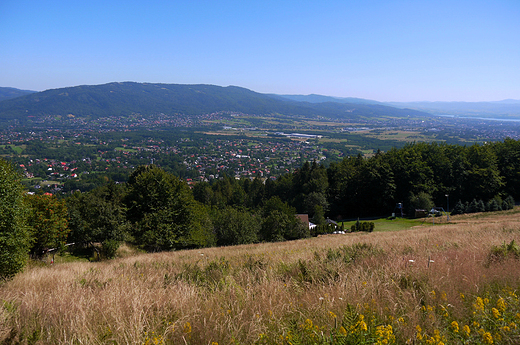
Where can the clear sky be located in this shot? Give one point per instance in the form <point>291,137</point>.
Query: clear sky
<point>383,50</point>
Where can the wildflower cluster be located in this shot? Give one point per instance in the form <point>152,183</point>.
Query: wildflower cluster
<point>353,328</point>
<point>153,339</point>
<point>491,320</point>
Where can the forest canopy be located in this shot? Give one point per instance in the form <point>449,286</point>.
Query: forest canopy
<point>156,210</point>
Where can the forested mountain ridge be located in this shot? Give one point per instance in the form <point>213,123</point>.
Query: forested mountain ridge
<point>124,99</point>
<point>11,92</point>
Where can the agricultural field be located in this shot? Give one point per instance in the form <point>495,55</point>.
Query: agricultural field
<point>408,282</point>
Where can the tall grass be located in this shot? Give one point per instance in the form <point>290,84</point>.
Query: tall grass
<point>423,285</point>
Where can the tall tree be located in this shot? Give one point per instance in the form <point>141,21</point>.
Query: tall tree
<point>14,234</point>
<point>48,221</point>
<point>99,216</point>
<point>164,213</point>
<point>482,178</point>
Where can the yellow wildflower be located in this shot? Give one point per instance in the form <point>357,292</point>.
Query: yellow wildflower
<point>187,328</point>
<point>455,326</point>
<point>496,313</point>
<point>501,304</point>
<point>479,304</point>
<point>332,315</point>
<point>487,338</point>
<point>466,330</point>
<point>419,330</point>
<point>308,324</point>
<point>342,330</point>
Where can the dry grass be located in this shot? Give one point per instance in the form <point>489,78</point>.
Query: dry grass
<point>261,293</point>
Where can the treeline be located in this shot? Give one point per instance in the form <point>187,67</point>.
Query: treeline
<point>158,211</point>
<point>418,175</point>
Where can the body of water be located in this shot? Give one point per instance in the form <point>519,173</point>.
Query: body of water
<point>480,118</point>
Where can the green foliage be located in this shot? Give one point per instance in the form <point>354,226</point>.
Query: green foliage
<point>109,248</point>
<point>363,226</point>
<point>319,215</point>
<point>508,203</point>
<point>99,215</point>
<point>234,226</point>
<point>493,205</point>
<point>279,222</point>
<point>163,212</point>
<point>500,253</point>
<point>48,221</point>
<point>211,275</point>
<point>15,237</point>
<point>421,201</point>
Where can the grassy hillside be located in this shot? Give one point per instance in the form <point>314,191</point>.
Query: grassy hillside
<point>451,283</point>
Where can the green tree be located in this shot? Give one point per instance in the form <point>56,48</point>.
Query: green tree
<point>482,178</point>
<point>460,208</point>
<point>421,201</point>
<point>99,216</point>
<point>14,234</point>
<point>164,213</point>
<point>48,221</point>
<point>279,222</point>
<point>319,215</point>
<point>234,226</point>
<point>508,155</point>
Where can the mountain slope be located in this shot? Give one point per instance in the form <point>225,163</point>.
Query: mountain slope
<point>313,98</point>
<point>11,92</point>
<point>124,99</point>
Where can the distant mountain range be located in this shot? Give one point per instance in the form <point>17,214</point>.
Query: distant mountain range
<point>503,109</point>
<point>124,99</point>
<point>508,108</point>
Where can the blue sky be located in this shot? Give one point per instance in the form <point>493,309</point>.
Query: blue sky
<point>382,50</point>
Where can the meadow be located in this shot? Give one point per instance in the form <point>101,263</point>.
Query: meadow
<point>452,283</point>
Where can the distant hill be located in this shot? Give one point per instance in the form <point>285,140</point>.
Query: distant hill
<point>508,108</point>
<point>124,99</point>
<point>10,92</point>
<point>313,98</point>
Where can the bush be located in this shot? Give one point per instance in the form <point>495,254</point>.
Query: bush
<point>109,248</point>
<point>500,253</point>
<point>363,226</point>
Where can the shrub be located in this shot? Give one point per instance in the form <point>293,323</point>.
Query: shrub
<point>109,248</point>
<point>363,226</point>
<point>500,253</point>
